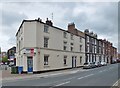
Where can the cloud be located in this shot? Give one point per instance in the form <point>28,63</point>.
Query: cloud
<point>99,17</point>
<point>12,18</point>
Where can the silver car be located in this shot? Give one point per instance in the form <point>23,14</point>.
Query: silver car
<point>87,66</point>
<point>103,63</point>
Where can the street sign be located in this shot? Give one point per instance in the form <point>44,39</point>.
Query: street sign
<point>32,52</point>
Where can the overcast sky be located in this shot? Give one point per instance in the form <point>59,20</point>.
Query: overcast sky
<point>99,17</point>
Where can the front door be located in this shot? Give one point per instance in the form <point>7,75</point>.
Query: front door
<point>73,61</point>
<point>30,63</point>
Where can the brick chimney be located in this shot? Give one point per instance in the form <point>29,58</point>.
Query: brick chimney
<point>49,22</point>
<point>72,29</point>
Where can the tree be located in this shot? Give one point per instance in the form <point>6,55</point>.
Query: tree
<point>5,59</point>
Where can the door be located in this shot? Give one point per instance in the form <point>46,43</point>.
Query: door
<point>30,64</point>
<point>73,61</point>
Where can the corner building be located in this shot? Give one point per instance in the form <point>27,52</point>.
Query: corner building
<point>43,47</point>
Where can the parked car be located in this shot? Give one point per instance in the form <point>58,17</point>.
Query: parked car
<point>97,64</point>
<point>88,65</point>
<point>11,64</point>
<point>114,61</point>
<point>103,63</point>
<point>93,64</point>
<point>118,60</point>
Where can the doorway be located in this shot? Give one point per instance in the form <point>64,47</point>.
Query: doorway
<point>74,61</point>
<point>30,63</point>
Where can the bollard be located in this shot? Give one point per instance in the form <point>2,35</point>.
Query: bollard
<point>5,68</point>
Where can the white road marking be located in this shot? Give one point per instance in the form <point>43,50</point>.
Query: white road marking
<point>111,67</point>
<point>63,83</point>
<point>102,71</point>
<point>116,83</point>
<point>74,71</point>
<point>89,75</point>
<point>81,77</point>
<point>105,70</point>
<point>55,74</point>
<point>85,76</point>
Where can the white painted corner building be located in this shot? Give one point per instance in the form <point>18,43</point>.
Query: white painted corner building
<point>42,47</point>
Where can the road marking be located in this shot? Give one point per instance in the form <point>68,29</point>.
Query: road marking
<point>105,70</point>
<point>111,67</point>
<point>116,83</point>
<point>89,75</point>
<point>85,76</point>
<point>74,71</point>
<point>81,77</point>
<point>55,74</point>
<point>102,71</point>
<point>63,83</point>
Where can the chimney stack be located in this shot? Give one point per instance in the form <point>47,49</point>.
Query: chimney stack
<point>71,26</point>
<point>72,29</point>
<point>48,22</point>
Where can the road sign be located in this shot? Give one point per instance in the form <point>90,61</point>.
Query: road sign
<point>32,51</point>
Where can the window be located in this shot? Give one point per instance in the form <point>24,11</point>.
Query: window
<point>65,35</point>
<point>46,60</point>
<point>65,48</point>
<point>46,28</point>
<point>80,48</point>
<point>71,48</point>
<point>80,39</point>
<point>80,59</point>
<point>87,38</point>
<point>95,42</point>
<point>95,49</point>
<point>71,36</point>
<point>88,48</point>
<point>46,42</point>
<point>21,38</point>
<point>65,42</point>
<point>19,46</point>
<point>71,43</point>
<point>65,57</point>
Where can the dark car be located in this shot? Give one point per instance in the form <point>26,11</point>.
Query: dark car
<point>118,60</point>
<point>98,64</point>
<point>93,64</point>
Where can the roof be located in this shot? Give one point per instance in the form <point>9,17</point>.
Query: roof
<point>43,23</point>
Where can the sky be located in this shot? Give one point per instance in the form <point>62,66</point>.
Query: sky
<point>99,17</point>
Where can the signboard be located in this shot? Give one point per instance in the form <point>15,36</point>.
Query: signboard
<point>12,57</point>
<point>29,51</point>
<point>32,52</point>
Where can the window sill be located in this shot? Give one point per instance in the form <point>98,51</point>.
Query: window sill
<point>65,64</point>
<point>46,66</point>
<point>47,32</point>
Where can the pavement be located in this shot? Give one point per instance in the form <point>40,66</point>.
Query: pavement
<point>6,74</point>
<point>106,76</point>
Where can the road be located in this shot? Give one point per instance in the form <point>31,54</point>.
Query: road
<point>104,76</point>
